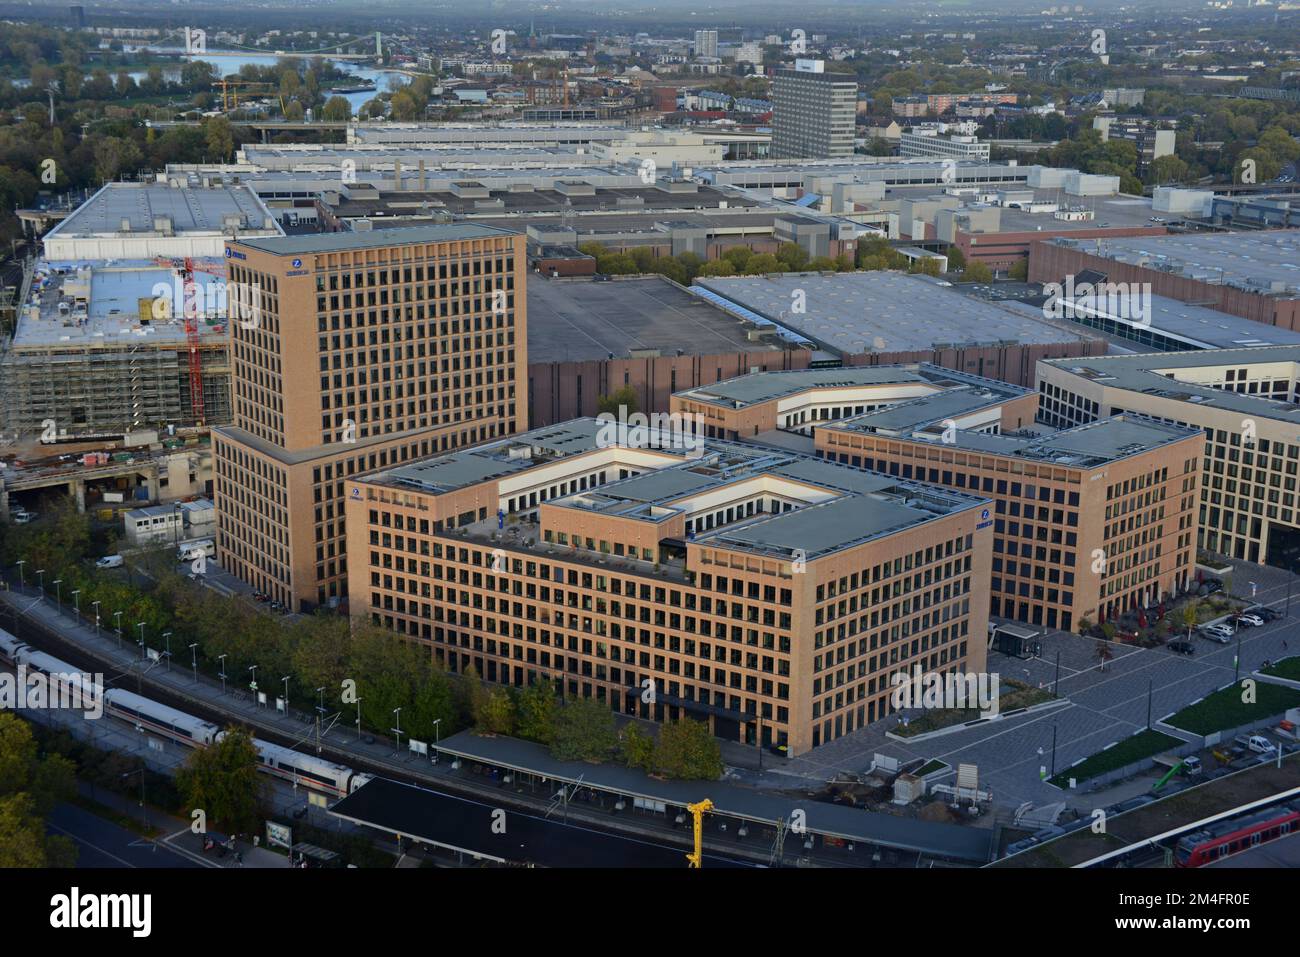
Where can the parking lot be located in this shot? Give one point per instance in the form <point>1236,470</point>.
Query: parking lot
<point>1102,702</point>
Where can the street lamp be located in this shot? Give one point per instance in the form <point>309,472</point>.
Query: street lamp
<point>21,582</point>
<point>222,659</point>
<point>167,648</point>
<point>140,625</point>
<point>117,618</point>
<point>76,602</point>
<point>252,685</point>
<point>194,660</point>
<point>40,579</point>
<point>144,809</point>
<point>285,679</point>
<point>95,605</point>
<point>58,592</point>
<point>397,730</point>
<point>358,719</point>
<point>437,731</point>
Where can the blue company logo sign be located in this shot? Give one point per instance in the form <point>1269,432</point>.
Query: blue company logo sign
<point>297,264</point>
<point>984,514</point>
<point>984,519</point>
<point>297,269</point>
<point>356,493</point>
<point>231,254</point>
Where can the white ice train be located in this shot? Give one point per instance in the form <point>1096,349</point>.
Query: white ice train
<point>308,771</point>
<point>305,770</point>
<point>160,719</point>
<point>9,647</point>
<point>65,679</point>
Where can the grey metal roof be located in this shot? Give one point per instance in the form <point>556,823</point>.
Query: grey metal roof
<point>333,242</point>
<point>1151,374</point>
<point>878,504</point>
<point>879,311</point>
<point>188,209</point>
<point>1250,260</point>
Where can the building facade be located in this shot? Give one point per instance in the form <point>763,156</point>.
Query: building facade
<point>772,595</point>
<point>1088,523</point>
<point>1247,402</point>
<point>365,351</point>
<point>813,113</point>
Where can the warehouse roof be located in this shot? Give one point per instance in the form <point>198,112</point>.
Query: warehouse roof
<point>572,320</point>
<point>879,311</point>
<point>1267,261</point>
<point>181,209</point>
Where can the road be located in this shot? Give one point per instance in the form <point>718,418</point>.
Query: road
<point>103,844</point>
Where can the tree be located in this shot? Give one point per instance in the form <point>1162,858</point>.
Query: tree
<point>977,272</point>
<point>584,731</point>
<point>337,109</point>
<point>1019,270</point>
<point>956,258</point>
<point>219,137</point>
<point>687,749</point>
<point>637,748</point>
<point>1168,169</point>
<point>535,709</point>
<point>29,788</point>
<point>622,402</point>
<point>497,715</point>
<point>762,264</point>
<point>1189,617</point>
<point>792,256</point>
<point>222,780</point>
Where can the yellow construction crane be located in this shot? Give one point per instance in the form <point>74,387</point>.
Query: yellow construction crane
<point>697,813</point>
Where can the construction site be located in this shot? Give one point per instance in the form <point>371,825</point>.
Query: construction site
<point>122,325</point>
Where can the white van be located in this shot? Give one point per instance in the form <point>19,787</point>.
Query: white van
<point>1260,744</point>
<point>109,561</point>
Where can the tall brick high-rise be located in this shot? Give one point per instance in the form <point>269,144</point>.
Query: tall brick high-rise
<point>363,351</point>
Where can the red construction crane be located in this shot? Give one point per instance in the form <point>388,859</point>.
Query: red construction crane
<point>189,318</point>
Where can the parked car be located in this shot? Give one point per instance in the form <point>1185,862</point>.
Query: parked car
<point>1220,633</point>
<point>1250,620</point>
<point>22,517</point>
<point>1181,647</point>
<point>1263,611</point>
<point>1210,586</point>
<point>109,561</point>
<point>1260,744</point>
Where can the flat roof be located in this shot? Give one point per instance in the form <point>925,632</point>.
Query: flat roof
<point>851,505</point>
<point>370,239</point>
<point>836,820</point>
<point>577,319</point>
<point>759,387</point>
<point>622,199</point>
<point>1197,327</point>
<point>1254,260</point>
<point>879,311</point>
<point>189,209</point>
<point>1158,374</point>
<point>111,317</point>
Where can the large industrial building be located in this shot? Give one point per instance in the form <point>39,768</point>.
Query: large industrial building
<point>589,339</point>
<point>1247,401</point>
<point>372,349</point>
<point>1255,275</point>
<point>771,594</point>
<point>885,318</point>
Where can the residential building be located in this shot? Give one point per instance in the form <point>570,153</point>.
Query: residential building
<point>813,112</point>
